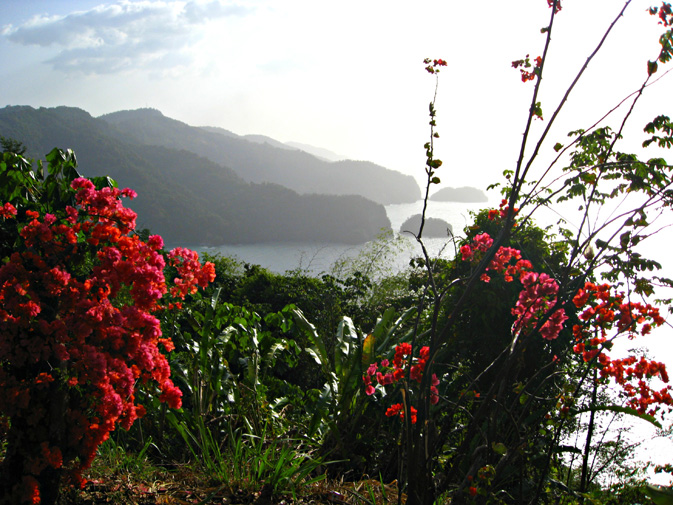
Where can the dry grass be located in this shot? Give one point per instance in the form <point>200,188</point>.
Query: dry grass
<point>184,486</point>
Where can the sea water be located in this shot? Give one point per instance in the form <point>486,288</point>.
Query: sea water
<point>319,258</point>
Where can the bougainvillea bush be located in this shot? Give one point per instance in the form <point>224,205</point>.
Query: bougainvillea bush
<point>79,291</point>
<point>514,335</point>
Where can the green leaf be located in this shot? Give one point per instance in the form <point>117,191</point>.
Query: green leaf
<point>499,448</point>
<point>659,495</point>
<point>318,349</point>
<point>345,336</point>
<point>568,448</point>
<point>368,349</point>
<point>621,410</point>
<point>103,182</point>
<point>588,178</point>
<point>625,239</point>
<point>652,67</point>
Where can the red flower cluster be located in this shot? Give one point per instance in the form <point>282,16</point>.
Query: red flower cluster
<point>7,211</point>
<point>481,243</point>
<point>524,64</point>
<point>550,3</point>
<point>603,312</point>
<point>539,290</point>
<point>536,299</point>
<point>432,66</point>
<point>386,374</point>
<point>502,211</point>
<point>76,306</point>
<point>398,410</point>
<point>665,13</point>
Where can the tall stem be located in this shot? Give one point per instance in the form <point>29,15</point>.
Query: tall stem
<point>584,482</point>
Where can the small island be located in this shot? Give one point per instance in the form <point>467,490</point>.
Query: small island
<point>466,194</point>
<point>434,227</point>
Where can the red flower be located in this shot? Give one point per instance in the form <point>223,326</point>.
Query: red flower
<point>109,346</point>
<point>398,410</point>
<point>550,3</point>
<point>7,211</point>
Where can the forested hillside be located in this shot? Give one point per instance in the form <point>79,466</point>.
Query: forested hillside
<point>190,199</point>
<point>464,194</point>
<point>261,159</point>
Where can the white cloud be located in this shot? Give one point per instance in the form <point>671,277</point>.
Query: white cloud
<point>197,12</point>
<point>125,35</point>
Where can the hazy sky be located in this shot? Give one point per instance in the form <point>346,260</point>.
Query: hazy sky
<point>344,75</point>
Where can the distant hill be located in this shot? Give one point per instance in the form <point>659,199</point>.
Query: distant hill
<point>433,227</point>
<point>317,151</point>
<point>212,129</point>
<point>261,159</point>
<point>257,139</point>
<point>263,139</point>
<point>465,194</point>
<point>189,199</point>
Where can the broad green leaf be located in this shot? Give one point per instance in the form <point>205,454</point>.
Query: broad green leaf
<point>621,410</point>
<point>103,182</point>
<point>568,448</point>
<point>318,349</point>
<point>347,340</point>
<point>368,349</point>
<point>659,495</point>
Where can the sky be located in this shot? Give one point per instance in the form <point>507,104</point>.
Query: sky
<point>347,76</point>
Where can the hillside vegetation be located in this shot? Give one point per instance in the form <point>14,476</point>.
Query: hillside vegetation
<point>466,194</point>
<point>188,198</point>
<point>256,158</point>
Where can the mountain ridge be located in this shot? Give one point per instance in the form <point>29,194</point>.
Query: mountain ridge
<point>259,159</point>
<point>187,198</point>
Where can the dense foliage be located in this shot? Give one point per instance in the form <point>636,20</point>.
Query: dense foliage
<point>78,291</point>
<point>484,378</point>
